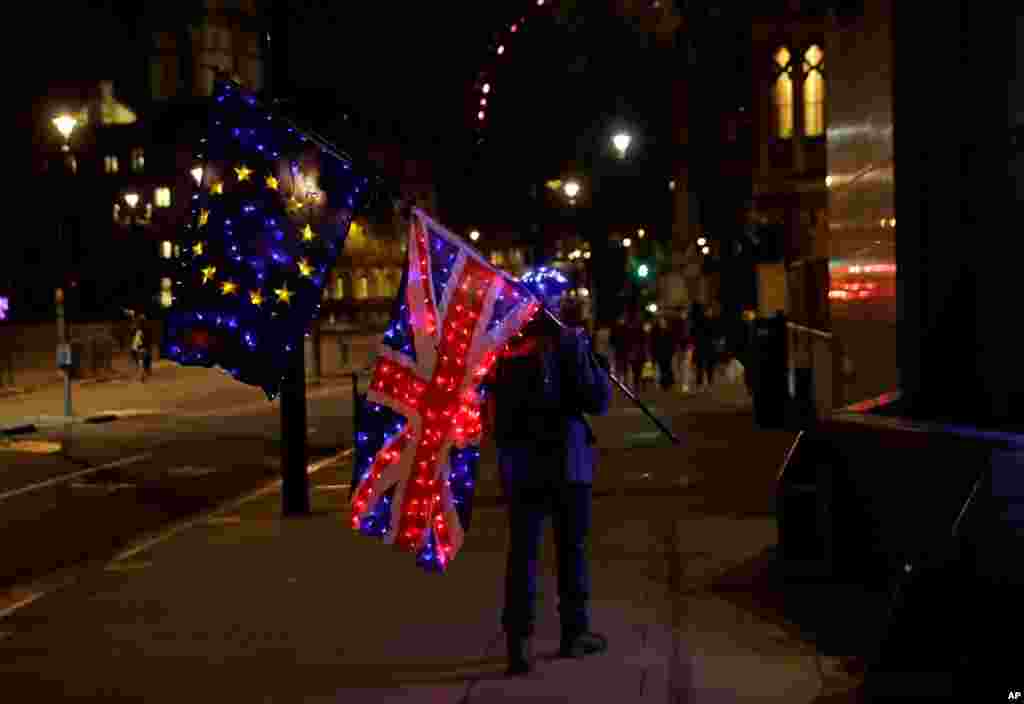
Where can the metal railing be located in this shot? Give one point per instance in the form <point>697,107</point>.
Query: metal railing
<point>819,356</point>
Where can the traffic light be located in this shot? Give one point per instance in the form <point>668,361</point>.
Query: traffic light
<point>643,271</point>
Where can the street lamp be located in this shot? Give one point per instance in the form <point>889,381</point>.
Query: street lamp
<point>641,232</point>
<point>622,142</point>
<point>652,307</point>
<point>197,174</point>
<point>132,199</point>
<point>706,250</point>
<point>474,235</point>
<point>701,241</point>
<point>627,243</point>
<point>65,124</point>
<point>572,189</point>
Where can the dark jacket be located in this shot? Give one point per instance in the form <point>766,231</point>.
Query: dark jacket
<point>540,430</point>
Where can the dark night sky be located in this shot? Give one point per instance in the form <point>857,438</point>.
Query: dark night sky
<point>561,87</point>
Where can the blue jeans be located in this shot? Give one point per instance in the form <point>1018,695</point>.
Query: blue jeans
<point>569,505</point>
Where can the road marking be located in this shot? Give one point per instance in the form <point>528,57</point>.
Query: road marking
<point>230,506</point>
<point>74,475</point>
<point>224,521</point>
<point>332,487</point>
<point>35,447</point>
<point>109,487</point>
<point>167,534</point>
<point>19,604</point>
<point>127,566</point>
<point>191,471</point>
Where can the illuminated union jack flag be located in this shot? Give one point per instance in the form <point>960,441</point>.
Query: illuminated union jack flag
<point>417,445</point>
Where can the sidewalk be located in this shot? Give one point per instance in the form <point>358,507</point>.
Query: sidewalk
<point>170,387</point>
<point>246,607</point>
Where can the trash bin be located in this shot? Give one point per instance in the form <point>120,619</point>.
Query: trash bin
<point>771,392</point>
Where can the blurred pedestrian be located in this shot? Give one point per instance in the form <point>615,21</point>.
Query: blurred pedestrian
<point>663,348</point>
<point>681,336</point>
<point>705,352</point>
<point>537,396</point>
<point>140,347</point>
<point>636,349</point>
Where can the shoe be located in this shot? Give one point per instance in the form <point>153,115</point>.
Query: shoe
<point>519,660</point>
<point>584,644</point>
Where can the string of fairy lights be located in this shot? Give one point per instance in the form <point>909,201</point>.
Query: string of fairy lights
<point>507,42</point>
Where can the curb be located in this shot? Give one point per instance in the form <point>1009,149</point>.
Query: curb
<point>26,428</point>
<point>20,429</point>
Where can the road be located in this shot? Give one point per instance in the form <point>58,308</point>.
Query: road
<point>199,443</point>
<point>199,439</point>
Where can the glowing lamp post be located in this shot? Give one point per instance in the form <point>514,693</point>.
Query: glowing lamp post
<point>65,124</point>
<point>622,142</point>
<point>571,189</point>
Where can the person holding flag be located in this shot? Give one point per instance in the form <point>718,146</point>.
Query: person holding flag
<point>536,396</point>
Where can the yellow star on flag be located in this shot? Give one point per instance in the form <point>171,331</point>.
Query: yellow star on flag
<point>228,287</point>
<point>208,273</point>
<point>305,268</point>
<point>256,298</point>
<point>308,234</point>
<point>283,294</point>
<point>197,249</point>
<point>217,189</point>
<point>272,183</point>
<point>243,172</point>
<point>204,216</point>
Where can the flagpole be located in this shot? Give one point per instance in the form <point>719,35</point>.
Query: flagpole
<point>625,389</point>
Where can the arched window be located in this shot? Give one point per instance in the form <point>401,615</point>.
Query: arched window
<point>814,92</point>
<point>339,287</point>
<point>362,287</point>
<point>782,94</point>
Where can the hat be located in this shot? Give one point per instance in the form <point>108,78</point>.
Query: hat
<point>547,284</point>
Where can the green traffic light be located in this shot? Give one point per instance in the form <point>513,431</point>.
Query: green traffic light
<point>642,271</point>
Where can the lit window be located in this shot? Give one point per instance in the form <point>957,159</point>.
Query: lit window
<point>110,164</point>
<point>162,196</point>
<point>814,92</point>
<point>362,287</point>
<point>166,249</point>
<point>166,295</point>
<point>138,159</point>
<point>339,288</point>
<point>782,94</point>
<point>117,212</point>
